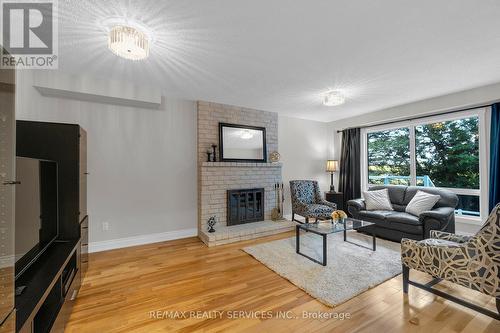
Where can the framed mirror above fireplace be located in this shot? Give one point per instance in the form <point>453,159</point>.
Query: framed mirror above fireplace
<point>242,143</point>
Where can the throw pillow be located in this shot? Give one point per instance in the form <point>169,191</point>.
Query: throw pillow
<point>377,200</point>
<point>422,202</point>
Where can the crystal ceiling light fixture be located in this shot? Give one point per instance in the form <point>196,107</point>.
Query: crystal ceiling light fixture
<point>333,98</point>
<point>128,42</point>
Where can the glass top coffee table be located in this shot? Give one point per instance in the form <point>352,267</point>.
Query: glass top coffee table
<point>326,227</point>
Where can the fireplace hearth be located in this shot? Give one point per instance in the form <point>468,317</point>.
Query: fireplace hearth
<point>245,206</point>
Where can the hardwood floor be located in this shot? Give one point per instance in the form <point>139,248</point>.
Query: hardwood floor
<point>124,287</point>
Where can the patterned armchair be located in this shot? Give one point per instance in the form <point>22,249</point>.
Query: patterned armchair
<point>470,261</point>
<point>307,201</point>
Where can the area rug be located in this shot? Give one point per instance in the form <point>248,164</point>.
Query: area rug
<point>351,269</point>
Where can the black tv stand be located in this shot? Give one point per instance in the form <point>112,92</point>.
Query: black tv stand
<point>53,280</point>
<point>45,289</point>
<point>20,290</point>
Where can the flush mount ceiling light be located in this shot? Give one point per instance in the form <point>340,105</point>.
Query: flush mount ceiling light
<point>128,43</point>
<point>333,98</point>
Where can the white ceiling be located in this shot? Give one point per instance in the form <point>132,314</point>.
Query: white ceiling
<point>281,55</point>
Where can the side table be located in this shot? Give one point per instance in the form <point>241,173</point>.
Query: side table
<point>337,198</point>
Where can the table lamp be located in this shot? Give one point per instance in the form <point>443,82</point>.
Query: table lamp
<point>331,167</point>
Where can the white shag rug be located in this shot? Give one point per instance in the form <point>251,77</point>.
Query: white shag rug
<point>350,269</point>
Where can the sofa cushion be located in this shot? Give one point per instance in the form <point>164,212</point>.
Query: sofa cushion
<point>396,192</point>
<point>399,208</point>
<point>375,216</point>
<point>404,222</point>
<point>402,217</point>
<point>448,198</point>
<point>422,202</point>
<point>377,200</point>
<point>318,210</point>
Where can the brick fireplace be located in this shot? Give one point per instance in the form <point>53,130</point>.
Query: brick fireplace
<point>217,178</point>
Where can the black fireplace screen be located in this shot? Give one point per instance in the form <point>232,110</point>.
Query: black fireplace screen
<point>245,206</point>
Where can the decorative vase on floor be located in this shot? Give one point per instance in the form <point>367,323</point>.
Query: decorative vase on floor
<point>211,223</point>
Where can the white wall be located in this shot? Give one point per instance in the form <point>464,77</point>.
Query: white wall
<point>142,162</point>
<point>304,148</point>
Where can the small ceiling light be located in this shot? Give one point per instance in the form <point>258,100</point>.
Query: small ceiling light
<point>128,43</point>
<point>333,98</point>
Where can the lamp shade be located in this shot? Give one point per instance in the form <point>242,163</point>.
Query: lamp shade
<point>332,166</point>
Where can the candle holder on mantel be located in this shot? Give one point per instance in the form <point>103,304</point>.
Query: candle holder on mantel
<point>209,156</point>
<point>214,159</point>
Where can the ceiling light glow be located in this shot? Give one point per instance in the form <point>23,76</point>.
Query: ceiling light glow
<point>333,98</point>
<point>246,135</point>
<point>128,43</point>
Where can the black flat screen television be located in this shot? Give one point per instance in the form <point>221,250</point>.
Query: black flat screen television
<point>37,217</point>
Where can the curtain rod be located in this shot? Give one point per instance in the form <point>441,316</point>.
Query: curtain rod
<point>418,117</point>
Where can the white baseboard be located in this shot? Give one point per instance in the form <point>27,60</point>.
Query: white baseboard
<point>141,240</point>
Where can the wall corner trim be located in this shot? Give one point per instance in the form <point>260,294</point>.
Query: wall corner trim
<point>141,240</point>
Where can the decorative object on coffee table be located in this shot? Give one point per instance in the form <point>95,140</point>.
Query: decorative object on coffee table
<point>214,157</point>
<point>332,166</point>
<point>274,157</point>
<point>211,223</point>
<point>338,216</point>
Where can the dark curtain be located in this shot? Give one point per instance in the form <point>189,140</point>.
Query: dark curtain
<point>495,156</point>
<point>350,165</point>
